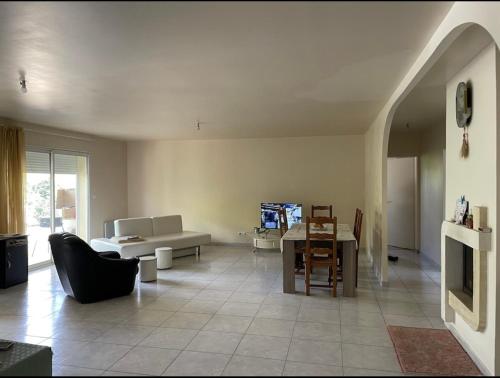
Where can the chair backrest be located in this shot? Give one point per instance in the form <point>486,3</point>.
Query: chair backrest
<point>329,234</point>
<point>315,208</point>
<point>283,221</point>
<point>357,228</point>
<point>356,220</point>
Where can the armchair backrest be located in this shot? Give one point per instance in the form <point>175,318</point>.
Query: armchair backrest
<point>75,261</point>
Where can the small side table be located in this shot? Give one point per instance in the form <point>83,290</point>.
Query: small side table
<point>147,268</point>
<point>164,256</point>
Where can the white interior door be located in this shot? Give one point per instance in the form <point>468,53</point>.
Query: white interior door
<point>401,184</point>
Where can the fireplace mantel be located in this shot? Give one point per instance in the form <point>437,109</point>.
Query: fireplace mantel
<point>471,309</point>
<point>477,240</point>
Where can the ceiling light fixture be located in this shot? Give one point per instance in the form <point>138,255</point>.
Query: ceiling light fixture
<point>22,81</point>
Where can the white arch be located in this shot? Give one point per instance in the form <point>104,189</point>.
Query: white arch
<point>460,17</point>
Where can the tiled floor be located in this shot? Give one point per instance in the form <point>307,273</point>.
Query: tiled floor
<point>225,314</point>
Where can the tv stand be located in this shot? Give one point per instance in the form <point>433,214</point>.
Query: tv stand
<point>266,242</point>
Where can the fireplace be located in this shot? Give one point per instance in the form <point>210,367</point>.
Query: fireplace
<point>468,269</point>
<point>463,274</point>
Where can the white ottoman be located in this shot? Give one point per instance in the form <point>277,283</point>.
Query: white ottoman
<point>147,268</point>
<point>164,256</point>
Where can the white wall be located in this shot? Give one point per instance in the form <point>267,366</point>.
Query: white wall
<point>107,168</point>
<point>475,177</point>
<point>432,190</point>
<point>461,15</point>
<point>218,185</point>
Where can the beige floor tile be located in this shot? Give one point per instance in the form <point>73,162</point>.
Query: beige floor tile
<point>239,309</point>
<point>253,366</point>
<point>400,308</point>
<point>151,318</point>
<point>305,369</point>
<point>181,293</point>
<point>311,351</point>
<point>271,327</point>
<point>318,315</point>
<point>172,338</point>
<point>72,371</point>
<point>370,357</point>
<point>228,323</point>
<point>126,334</point>
<point>317,331</point>
<point>364,306</point>
<point>166,304</point>
<point>145,360</point>
<point>366,336</point>
<point>213,295</point>
<point>189,320</point>
<point>198,364</point>
<point>96,355</point>
<point>408,321</point>
<point>369,373</point>
<point>431,310</point>
<point>215,342</point>
<point>437,323</point>
<point>263,346</point>
<point>202,307</point>
<point>362,319</point>
<point>277,312</point>
<point>244,297</point>
<point>111,373</point>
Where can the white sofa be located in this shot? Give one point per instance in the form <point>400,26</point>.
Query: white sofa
<point>163,231</point>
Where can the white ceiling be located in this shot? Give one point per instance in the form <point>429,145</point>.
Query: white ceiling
<point>425,106</point>
<point>144,70</point>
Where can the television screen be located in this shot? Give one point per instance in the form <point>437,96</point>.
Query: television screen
<point>269,214</point>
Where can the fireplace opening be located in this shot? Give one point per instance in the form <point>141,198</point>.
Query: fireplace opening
<point>468,274</point>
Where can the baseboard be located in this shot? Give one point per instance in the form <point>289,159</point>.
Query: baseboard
<point>484,370</point>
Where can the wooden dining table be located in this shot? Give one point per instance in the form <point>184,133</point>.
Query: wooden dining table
<point>296,237</point>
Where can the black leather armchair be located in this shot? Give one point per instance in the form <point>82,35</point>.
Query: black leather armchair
<point>90,276</point>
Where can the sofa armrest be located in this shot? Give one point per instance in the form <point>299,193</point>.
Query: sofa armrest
<point>110,254</point>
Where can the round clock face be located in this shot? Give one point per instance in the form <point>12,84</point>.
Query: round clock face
<point>463,105</point>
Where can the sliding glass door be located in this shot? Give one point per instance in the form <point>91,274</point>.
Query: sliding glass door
<point>56,199</point>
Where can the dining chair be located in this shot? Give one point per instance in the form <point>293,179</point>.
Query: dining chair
<point>357,235</point>
<point>315,208</point>
<point>323,255</point>
<point>299,251</point>
<point>283,221</point>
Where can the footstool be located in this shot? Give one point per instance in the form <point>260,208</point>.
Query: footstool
<point>164,256</point>
<point>147,268</point>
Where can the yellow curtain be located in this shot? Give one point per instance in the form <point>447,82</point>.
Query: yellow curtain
<point>12,177</point>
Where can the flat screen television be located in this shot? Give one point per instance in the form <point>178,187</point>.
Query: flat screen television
<point>269,214</point>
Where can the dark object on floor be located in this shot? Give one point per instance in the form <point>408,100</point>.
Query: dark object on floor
<point>13,260</point>
<point>430,351</point>
<point>393,258</point>
<point>24,359</point>
<point>89,276</point>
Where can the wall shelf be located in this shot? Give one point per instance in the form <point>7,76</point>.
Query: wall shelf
<point>480,241</point>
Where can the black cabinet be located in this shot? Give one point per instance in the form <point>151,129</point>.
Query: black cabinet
<point>13,260</point>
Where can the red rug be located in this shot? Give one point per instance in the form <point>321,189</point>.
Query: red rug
<point>431,351</point>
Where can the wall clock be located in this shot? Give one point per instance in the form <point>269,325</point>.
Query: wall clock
<point>463,104</point>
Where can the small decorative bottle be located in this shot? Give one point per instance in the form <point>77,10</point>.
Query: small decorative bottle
<point>469,222</point>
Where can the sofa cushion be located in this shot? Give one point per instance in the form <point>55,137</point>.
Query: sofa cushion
<point>134,226</point>
<point>169,224</point>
